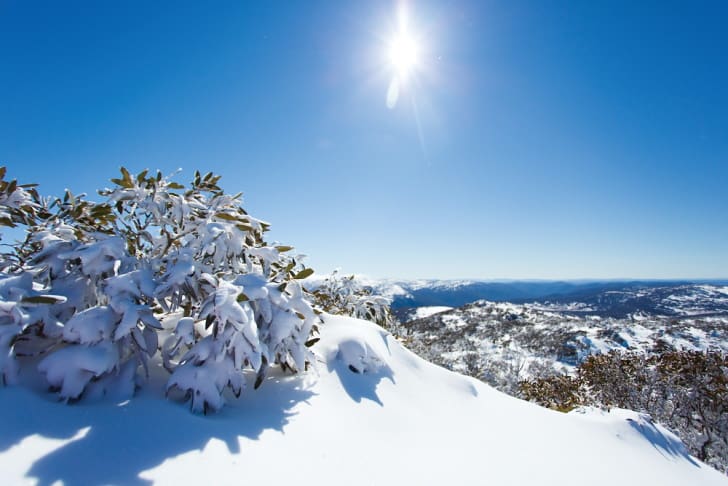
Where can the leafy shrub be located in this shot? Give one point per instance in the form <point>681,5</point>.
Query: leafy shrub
<point>347,296</point>
<point>97,289</point>
<point>559,392</point>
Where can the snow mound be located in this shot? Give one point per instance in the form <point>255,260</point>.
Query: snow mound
<point>371,412</point>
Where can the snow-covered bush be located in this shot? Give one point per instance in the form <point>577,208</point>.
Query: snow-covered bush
<point>347,296</point>
<point>96,289</point>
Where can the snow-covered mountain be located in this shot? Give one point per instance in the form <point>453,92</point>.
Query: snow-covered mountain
<point>508,342</point>
<point>620,298</point>
<point>682,300</point>
<point>370,413</point>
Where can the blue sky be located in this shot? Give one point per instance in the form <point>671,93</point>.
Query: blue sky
<point>536,140</point>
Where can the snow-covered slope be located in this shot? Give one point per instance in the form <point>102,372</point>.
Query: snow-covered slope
<point>372,413</point>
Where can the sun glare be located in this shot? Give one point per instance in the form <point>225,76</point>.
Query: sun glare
<point>404,55</point>
<point>403,58</point>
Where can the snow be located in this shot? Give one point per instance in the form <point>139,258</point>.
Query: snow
<point>454,322</point>
<point>396,420</point>
<point>70,369</point>
<point>508,335</point>
<point>427,311</point>
<point>722,290</point>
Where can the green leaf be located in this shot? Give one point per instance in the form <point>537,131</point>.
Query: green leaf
<point>282,287</point>
<point>283,248</point>
<point>242,298</point>
<point>142,175</point>
<point>258,381</point>
<point>311,342</point>
<point>306,272</point>
<point>43,299</point>
<point>125,181</point>
<point>3,170</point>
<point>226,216</point>
<point>175,185</point>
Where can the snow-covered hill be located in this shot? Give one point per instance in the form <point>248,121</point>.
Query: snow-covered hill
<point>683,300</point>
<point>371,413</point>
<point>560,333</point>
<point>504,342</point>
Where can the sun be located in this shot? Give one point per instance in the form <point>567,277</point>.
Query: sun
<point>404,58</point>
<point>404,55</point>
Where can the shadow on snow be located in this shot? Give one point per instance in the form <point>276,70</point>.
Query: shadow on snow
<point>666,444</point>
<point>360,385</point>
<point>124,440</point>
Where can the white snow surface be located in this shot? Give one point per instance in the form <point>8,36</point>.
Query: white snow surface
<point>427,311</point>
<point>399,420</point>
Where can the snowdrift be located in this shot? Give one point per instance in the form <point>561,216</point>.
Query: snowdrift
<point>370,413</point>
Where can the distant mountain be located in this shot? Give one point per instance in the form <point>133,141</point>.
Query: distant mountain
<point>677,300</point>
<point>407,295</point>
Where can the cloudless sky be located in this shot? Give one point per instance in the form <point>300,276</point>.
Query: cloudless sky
<point>544,139</point>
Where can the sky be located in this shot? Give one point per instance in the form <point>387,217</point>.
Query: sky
<point>529,140</point>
